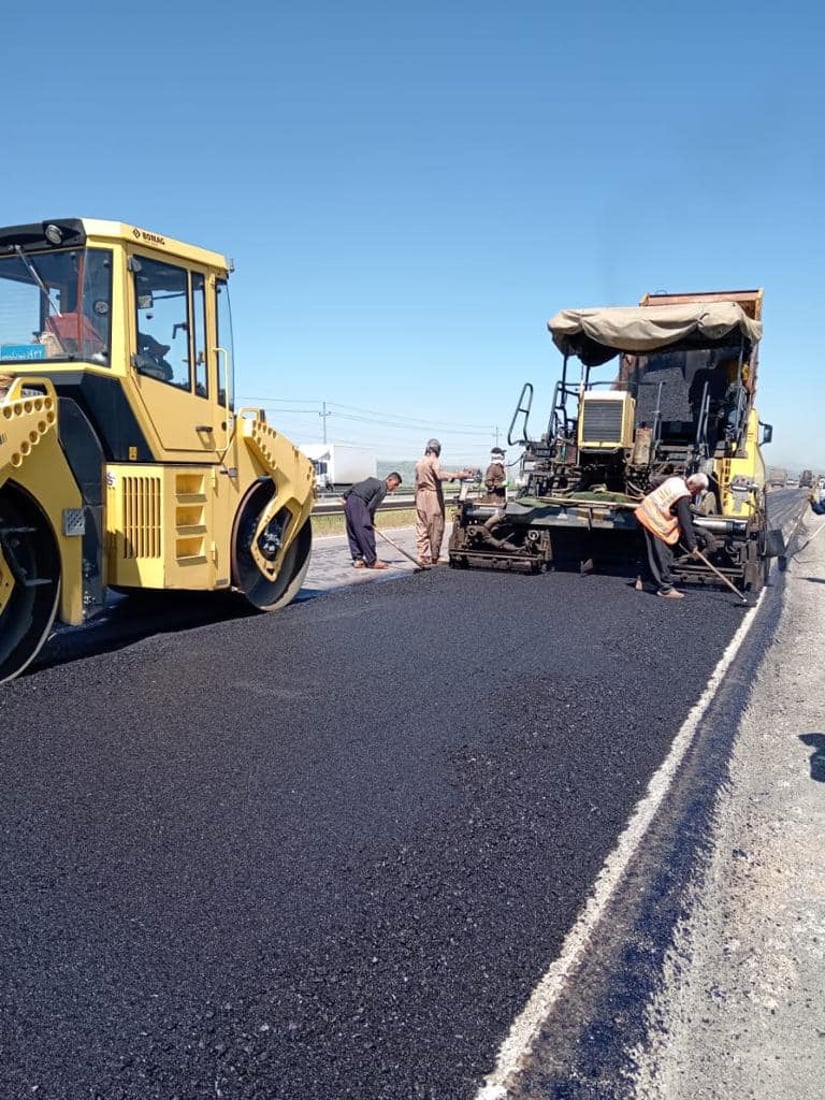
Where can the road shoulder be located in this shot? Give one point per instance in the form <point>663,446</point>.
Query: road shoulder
<point>742,1012</point>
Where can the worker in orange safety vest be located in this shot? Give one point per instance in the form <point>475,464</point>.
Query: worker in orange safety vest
<point>664,515</point>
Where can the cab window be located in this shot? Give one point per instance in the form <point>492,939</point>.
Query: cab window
<point>225,363</point>
<point>163,323</point>
<point>199,334</point>
<point>56,305</point>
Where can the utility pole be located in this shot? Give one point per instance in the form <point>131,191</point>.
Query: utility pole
<point>497,433</point>
<point>324,416</point>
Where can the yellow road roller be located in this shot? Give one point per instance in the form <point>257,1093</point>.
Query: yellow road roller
<point>124,464</point>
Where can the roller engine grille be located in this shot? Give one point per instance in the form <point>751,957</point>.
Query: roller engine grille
<point>141,517</point>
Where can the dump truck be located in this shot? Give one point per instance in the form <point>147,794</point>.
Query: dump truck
<point>124,464</point>
<point>680,399</point>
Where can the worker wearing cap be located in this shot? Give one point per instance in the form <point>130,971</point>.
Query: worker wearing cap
<point>664,515</point>
<point>495,478</point>
<point>429,503</point>
<point>360,504</point>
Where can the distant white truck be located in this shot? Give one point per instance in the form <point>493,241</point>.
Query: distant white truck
<point>339,465</point>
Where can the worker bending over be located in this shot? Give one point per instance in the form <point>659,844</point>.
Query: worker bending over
<point>360,505</point>
<point>664,515</point>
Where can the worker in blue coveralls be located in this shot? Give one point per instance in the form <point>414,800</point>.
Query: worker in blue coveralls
<point>360,504</point>
<point>817,501</point>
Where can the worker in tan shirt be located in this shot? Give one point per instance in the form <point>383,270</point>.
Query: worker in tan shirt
<point>429,503</point>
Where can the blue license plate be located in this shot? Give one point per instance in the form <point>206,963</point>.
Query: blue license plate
<point>22,352</point>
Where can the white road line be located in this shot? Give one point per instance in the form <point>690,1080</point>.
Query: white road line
<point>527,1025</point>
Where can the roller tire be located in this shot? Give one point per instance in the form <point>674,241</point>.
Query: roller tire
<point>27,617</point>
<point>262,593</point>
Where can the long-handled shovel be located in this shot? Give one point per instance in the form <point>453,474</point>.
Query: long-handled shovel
<point>721,576</point>
<point>808,542</point>
<point>419,568</point>
<point>785,558</point>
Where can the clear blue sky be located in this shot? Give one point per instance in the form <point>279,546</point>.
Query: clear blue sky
<point>409,191</point>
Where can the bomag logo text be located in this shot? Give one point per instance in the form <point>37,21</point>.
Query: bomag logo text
<point>149,238</point>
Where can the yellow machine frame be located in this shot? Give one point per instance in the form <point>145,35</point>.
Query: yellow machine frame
<point>194,495</point>
<point>747,466</point>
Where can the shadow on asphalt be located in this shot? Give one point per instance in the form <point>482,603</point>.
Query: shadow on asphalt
<point>130,619</point>
<point>817,742</point>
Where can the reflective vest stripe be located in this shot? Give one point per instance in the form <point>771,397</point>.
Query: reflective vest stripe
<point>655,513</point>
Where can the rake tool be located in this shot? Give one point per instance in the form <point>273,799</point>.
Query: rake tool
<point>419,568</point>
<point>698,554</point>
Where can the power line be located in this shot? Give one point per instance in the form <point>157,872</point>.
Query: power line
<point>410,428</point>
<point>389,434</point>
<point>407,419</point>
<point>376,415</point>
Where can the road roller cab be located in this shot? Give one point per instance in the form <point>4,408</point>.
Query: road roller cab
<point>123,461</point>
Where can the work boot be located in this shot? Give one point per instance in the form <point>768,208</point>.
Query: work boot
<point>376,565</point>
<point>671,594</point>
<point>425,563</point>
<point>358,563</point>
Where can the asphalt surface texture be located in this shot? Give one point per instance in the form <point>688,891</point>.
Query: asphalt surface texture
<point>328,852</point>
<point>704,979</point>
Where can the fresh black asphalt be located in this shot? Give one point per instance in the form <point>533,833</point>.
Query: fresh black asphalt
<point>324,853</point>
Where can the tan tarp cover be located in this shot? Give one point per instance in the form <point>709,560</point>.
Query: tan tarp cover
<point>646,328</point>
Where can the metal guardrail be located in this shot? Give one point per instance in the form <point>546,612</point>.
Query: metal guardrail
<point>333,505</point>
